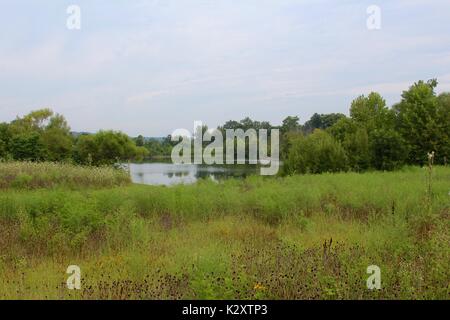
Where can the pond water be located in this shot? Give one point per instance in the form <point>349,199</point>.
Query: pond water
<point>161,173</point>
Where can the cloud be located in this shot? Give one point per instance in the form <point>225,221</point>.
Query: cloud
<point>170,61</point>
<point>146,96</point>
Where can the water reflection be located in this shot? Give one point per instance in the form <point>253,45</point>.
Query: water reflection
<point>158,173</point>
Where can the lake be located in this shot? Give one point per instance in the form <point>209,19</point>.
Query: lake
<point>164,173</point>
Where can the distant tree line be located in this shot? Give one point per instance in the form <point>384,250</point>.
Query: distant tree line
<point>373,136</point>
<point>44,136</point>
<point>156,147</point>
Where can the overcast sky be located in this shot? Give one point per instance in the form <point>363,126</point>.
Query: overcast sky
<point>149,67</point>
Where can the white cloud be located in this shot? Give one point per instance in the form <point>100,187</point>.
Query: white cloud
<point>216,59</point>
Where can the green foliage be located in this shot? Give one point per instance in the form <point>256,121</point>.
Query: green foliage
<point>106,148</point>
<point>376,137</point>
<point>34,121</point>
<point>290,124</point>
<point>27,146</point>
<point>373,137</point>
<point>371,112</point>
<point>423,122</point>
<point>5,138</point>
<point>321,121</point>
<point>246,124</point>
<point>140,141</point>
<point>370,136</point>
<point>357,149</point>
<point>316,153</point>
<point>42,135</point>
<point>297,237</point>
<point>159,148</point>
<point>33,175</point>
<point>443,113</point>
<point>388,149</point>
<point>57,139</point>
<point>355,141</point>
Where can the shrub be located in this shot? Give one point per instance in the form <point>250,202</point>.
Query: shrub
<point>316,153</point>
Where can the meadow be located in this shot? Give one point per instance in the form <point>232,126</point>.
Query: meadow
<point>295,237</point>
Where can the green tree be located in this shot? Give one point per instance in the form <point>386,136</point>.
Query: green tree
<point>290,124</point>
<point>35,121</point>
<point>106,148</point>
<point>27,146</point>
<point>388,149</point>
<point>382,147</point>
<point>140,142</point>
<point>321,121</point>
<point>51,132</point>
<point>422,120</point>
<point>371,111</point>
<point>57,140</point>
<point>357,147</point>
<point>355,140</point>
<point>5,139</point>
<point>444,126</point>
<point>316,153</point>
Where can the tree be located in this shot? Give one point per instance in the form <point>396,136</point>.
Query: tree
<point>321,121</point>
<point>107,148</point>
<point>289,127</point>
<point>355,140</point>
<point>444,126</point>
<point>388,149</point>
<point>51,132</point>
<point>57,140</point>
<point>140,141</point>
<point>86,149</point>
<point>290,124</point>
<point>357,147</point>
<point>342,128</point>
<point>35,121</point>
<point>245,124</point>
<point>371,111</point>
<point>422,120</point>
<point>316,153</point>
<point>27,146</point>
<point>5,139</point>
<point>385,146</point>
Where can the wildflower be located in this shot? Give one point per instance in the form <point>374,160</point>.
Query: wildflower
<point>430,159</point>
<point>259,286</point>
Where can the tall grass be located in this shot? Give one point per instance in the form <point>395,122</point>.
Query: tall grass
<point>33,175</point>
<point>238,239</point>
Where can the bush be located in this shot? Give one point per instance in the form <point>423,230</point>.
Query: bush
<point>316,153</point>
<point>388,149</point>
<point>106,148</point>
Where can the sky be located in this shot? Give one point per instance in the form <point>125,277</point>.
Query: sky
<point>150,67</point>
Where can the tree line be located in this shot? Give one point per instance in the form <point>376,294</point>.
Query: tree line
<point>43,135</point>
<point>373,136</point>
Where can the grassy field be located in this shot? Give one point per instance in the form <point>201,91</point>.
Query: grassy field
<point>300,237</point>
